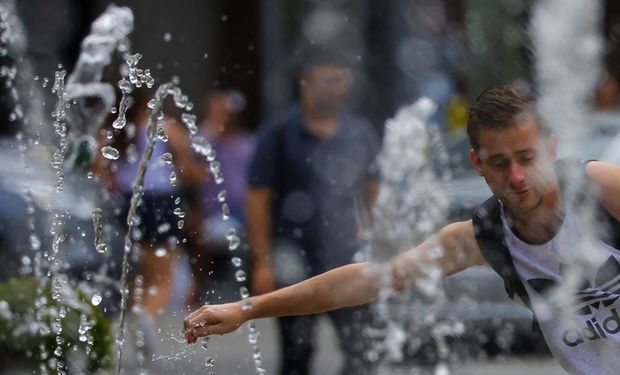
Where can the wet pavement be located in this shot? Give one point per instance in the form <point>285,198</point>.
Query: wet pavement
<point>232,354</point>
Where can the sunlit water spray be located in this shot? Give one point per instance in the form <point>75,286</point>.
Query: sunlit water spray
<point>568,45</point>
<point>412,203</point>
<point>200,145</point>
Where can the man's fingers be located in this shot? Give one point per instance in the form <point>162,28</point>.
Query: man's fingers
<point>205,331</point>
<point>192,315</point>
<point>192,334</point>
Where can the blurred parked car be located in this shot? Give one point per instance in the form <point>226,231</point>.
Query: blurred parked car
<point>28,204</point>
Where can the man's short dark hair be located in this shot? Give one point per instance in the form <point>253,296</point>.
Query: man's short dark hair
<point>499,108</point>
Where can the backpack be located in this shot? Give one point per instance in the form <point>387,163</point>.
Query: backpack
<point>489,231</point>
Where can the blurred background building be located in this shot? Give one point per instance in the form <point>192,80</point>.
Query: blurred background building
<point>403,48</point>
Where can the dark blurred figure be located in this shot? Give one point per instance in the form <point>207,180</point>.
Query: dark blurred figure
<point>312,178</point>
<point>607,94</point>
<point>234,147</point>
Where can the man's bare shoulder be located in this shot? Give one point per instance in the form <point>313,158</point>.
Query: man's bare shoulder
<point>460,239</point>
<point>607,177</point>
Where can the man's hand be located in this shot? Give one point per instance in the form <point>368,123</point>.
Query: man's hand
<point>213,319</point>
<point>263,277</point>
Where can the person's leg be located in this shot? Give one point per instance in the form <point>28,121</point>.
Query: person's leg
<point>157,268</point>
<point>296,335</point>
<point>359,333</point>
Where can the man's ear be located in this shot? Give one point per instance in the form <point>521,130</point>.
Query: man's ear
<point>475,160</point>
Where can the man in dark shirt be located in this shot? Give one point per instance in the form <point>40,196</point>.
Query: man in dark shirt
<point>313,176</point>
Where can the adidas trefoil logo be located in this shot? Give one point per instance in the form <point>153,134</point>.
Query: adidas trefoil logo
<point>604,292</point>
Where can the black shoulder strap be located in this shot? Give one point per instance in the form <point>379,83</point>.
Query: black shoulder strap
<point>491,241</point>
<point>490,232</point>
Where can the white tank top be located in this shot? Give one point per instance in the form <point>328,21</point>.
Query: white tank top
<point>581,324</point>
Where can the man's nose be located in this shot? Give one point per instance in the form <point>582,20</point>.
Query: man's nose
<point>517,174</point>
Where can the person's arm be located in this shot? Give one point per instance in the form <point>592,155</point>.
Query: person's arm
<point>607,177</point>
<point>453,250</point>
<point>371,192</point>
<point>258,212</point>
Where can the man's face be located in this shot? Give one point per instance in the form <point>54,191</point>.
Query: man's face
<point>517,164</point>
<point>324,88</point>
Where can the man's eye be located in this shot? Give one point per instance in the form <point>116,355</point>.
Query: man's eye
<point>527,160</point>
<point>500,164</point>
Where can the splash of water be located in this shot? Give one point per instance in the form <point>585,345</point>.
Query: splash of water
<point>412,203</point>
<point>568,46</point>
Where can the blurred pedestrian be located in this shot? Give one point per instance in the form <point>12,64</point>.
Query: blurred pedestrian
<point>160,211</point>
<point>312,177</point>
<point>234,147</point>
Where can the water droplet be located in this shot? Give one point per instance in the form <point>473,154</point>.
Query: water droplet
<point>101,248</point>
<point>119,123</point>
<point>246,305</point>
<point>240,276</point>
<point>244,292</point>
<point>161,252</point>
<point>253,338</point>
<point>233,243</point>
<point>125,86</point>
<point>201,145</point>
<point>204,342</point>
<point>110,152</point>
<point>96,300</point>
<point>161,133</point>
<point>236,261</point>
<point>219,178</point>
<point>180,224</point>
<point>163,228</point>
<point>167,37</point>
<point>25,261</point>
<point>221,196</point>
<point>90,175</point>
<point>151,103</point>
<point>35,243</point>
<point>209,362</point>
<point>166,158</point>
<point>230,233</point>
<point>173,178</point>
<point>177,200</point>
<point>211,155</point>
<point>225,211</point>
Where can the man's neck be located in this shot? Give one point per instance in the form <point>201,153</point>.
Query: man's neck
<point>541,223</point>
<point>321,125</point>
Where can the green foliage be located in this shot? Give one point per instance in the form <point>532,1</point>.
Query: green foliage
<point>29,326</point>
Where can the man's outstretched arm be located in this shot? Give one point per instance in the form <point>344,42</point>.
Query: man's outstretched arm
<point>453,250</point>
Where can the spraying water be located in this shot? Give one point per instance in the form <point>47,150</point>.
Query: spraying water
<point>568,46</point>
